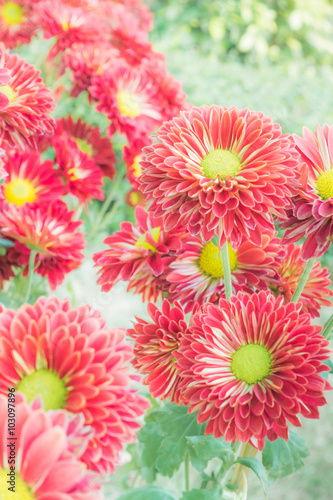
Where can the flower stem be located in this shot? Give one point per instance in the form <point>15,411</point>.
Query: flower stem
<point>226,271</point>
<point>240,470</point>
<point>187,472</point>
<point>328,328</point>
<point>303,280</point>
<point>30,274</point>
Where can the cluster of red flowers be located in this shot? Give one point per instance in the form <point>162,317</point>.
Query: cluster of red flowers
<point>221,177</point>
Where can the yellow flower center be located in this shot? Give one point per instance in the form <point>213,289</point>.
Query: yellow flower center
<point>84,146</point>
<point>210,260</point>
<point>8,91</point>
<point>19,489</point>
<point>251,363</point>
<point>134,198</point>
<point>20,191</point>
<point>12,13</point>
<point>128,104</point>
<point>325,184</point>
<point>142,243</point>
<point>136,167</point>
<point>220,162</point>
<point>65,25</point>
<point>47,385</point>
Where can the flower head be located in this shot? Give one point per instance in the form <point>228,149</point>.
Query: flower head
<point>28,103</point>
<point>155,346</point>
<point>311,214</point>
<point>72,361</point>
<point>18,22</point>
<point>220,170</point>
<point>252,365</point>
<point>139,254</point>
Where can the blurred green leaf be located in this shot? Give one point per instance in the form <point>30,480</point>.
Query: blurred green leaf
<point>147,493</point>
<point>202,495</point>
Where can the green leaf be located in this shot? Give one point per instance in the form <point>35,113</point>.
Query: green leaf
<point>147,493</point>
<point>282,458</point>
<point>205,448</point>
<point>151,436</point>
<point>202,495</point>
<point>6,243</point>
<point>258,469</point>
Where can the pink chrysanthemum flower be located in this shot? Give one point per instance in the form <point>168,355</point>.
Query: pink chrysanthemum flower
<point>70,359</point>
<point>70,24</point>
<point>220,170</point>
<point>29,180</point>
<point>252,365</point>
<point>197,275</point>
<point>50,231</point>
<point>129,98</point>
<point>4,80</point>
<point>315,292</point>
<point>89,141</point>
<point>18,22</point>
<point>47,447</point>
<point>82,176</point>
<point>28,103</point>
<point>312,211</point>
<point>155,346</point>
<point>139,254</point>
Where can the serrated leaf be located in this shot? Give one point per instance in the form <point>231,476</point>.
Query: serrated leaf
<point>202,495</point>
<point>282,458</point>
<point>147,493</point>
<point>258,469</point>
<point>205,448</point>
<point>151,436</point>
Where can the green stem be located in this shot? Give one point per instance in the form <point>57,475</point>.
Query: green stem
<point>187,472</point>
<point>303,280</point>
<point>30,274</point>
<point>237,479</point>
<point>226,271</point>
<point>328,328</point>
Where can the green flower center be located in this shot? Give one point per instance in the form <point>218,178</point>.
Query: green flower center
<point>325,185</point>
<point>20,191</point>
<point>12,13</point>
<point>47,385</point>
<point>251,363</point>
<point>8,91</point>
<point>220,162</point>
<point>20,490</point>
<point>128,104</point>
<point>210,261</point>
<point>84,146</point>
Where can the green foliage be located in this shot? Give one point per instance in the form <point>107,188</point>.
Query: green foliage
<point>147,493</point>
<point>202,495</point>
<point>282,458</point>
<point>205,448</point>
<point>258,469</point>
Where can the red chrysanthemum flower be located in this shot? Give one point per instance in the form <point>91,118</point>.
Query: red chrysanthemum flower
<point>18,22</point>
<point>132,159</point>
<point>139,254</point>
<point>4,80</point>
<point>28,103</point>
<point>129,98</point>
<point>29,180</point>
<point>89,141</point>
<point>50,231</point>
<point>48,447</point>
<point>82,177</point>
<point>220,170</point>
<point>70,24</point>
<point>197,275</point>
<point>6,270</point>
<point>252,365</point>
<point>70,359</point>
<point>312,211</point>
<point>315,292</point>
<point>155,346</point>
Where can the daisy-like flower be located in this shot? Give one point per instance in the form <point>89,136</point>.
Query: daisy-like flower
<point>155,346</point>
<point>18,22</point>
<point>72,361</point>
<point>312,211</point>
<point>70,24</point>
<point>28,103</point>
<point>316,290</point>
<point>29,180</point>
<point>50,231</point>
<point>129,98</point>
<point>197,275</point>
<point>48,464</point>
<point>220,170</point>
<point>139,254</point>
<point>252,365</point>
<point>90,142</point>
<point>82,176</point>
